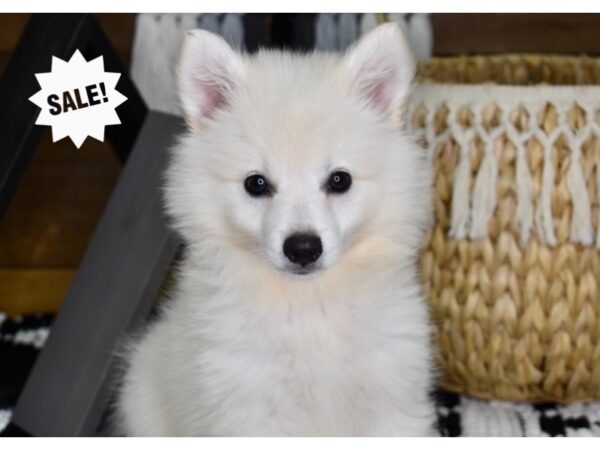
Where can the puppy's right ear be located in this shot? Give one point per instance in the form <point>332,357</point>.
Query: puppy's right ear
<point>207,73</point>
<point>381,66</point>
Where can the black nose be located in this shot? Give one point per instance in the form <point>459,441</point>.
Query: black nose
<point>303,248</point>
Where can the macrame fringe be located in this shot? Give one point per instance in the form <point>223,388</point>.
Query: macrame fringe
<point>484,191</point>
<point>326,38</point>
<point>232,29</point>
<point>209,22</point>
<point>461,198</point>
<point>368,22</point>
<point>348,29</point>
<point>484,194</point>
<point>474,199</point>
<point>524,218</point>
<point>421,35</point>
<point>543,214</point>
<point>156,45</point>
<point>581,222</point>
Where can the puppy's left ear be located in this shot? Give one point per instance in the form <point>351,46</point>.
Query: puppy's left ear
<point>381,68</point>
<point>208,73</point>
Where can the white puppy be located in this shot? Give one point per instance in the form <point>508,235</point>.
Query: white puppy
<point>302,203</point>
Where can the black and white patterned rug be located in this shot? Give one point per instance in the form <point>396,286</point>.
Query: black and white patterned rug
<point>22,338</point>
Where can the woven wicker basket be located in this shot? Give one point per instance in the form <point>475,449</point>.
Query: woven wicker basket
<point>511,266</point>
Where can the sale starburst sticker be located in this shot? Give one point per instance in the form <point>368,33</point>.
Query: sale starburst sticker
<point>77,98</point>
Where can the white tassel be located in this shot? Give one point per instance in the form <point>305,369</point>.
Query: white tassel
<point>524,201</point>
<point>402,20</point>
<point>144,39</point>
<point>525,213</point>
<point>155,50</point>
<point>460,196</point>
<point>581,221</point>
<point>232,30</point>
<point>209,22</point>
<point>418,30</point>
<point>420,33</point>
<point>543,214</point>
<point>368,22</point>
<point>398,18</point>
<point>326,33</point>
<point>461,201</point>
<point>484,193</point>
<point>347,29</point>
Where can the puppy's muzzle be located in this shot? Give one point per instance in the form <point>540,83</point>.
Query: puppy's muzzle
<point>303,248</point>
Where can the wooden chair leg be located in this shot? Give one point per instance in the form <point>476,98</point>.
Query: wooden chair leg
<point>115,286</point>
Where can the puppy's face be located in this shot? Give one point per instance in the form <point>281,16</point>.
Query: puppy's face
<point>294,160</point>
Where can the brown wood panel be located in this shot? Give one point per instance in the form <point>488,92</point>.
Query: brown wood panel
<point>24,291</point>
<point>118,27</point>
<point>516,33</point>
<point>51,218</point>
<point>55,209</point>
<point>11,25</point>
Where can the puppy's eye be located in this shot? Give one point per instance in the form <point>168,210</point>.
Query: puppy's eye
<point>257,185</point>
<point>339,182</point>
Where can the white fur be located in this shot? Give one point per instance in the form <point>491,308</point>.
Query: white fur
<point>244,347</point>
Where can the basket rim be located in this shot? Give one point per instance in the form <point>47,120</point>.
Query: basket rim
<point>488,92</point>
<point>528,56</point>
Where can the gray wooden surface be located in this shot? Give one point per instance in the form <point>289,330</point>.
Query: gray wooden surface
<point>115,286</point>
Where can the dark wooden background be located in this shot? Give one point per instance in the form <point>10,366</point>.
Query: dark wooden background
<point>51,218</point>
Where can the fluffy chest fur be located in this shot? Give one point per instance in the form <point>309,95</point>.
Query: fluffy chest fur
<point>305,363</point>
